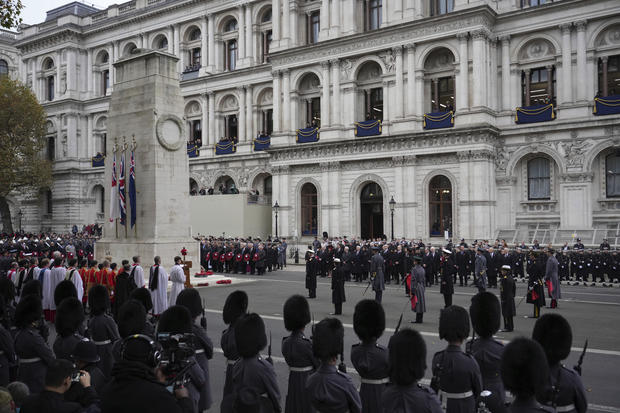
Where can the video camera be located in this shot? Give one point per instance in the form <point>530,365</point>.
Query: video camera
<point>176,353</point>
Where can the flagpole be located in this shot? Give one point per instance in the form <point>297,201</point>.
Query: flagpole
<point>125,183</point>
<point>133,149</point>
<point>114,150</point>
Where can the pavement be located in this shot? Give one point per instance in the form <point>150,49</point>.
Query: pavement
<point>594,313</point>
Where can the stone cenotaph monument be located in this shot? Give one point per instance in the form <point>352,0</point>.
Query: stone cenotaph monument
<point>146,107</point>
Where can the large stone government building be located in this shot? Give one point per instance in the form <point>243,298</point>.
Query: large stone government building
<point>477,117</point>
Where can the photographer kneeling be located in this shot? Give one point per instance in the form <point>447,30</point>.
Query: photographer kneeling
<point>139,384</point>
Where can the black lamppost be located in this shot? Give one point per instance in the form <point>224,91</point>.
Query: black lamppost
<point>392,206</point>
<point>20,214</point>
<point>275,208</point>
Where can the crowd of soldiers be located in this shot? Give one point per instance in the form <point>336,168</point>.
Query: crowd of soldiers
<point>242,256</point>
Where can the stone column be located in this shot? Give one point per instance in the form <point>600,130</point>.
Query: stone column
<point>325,198</point>
<point>581,59</point>
<point>58,74</point>
<point>492,58</point>
<point>294,25</point>
<point>142,41</point>
<point>336,23</point>
<point>515,86</point>
<point>399,106</point>
<point>241,118</point>
<point>89,141</point>
<point>211,41</point>
<point>527,87</point>
<point>249,126</point>
<point>170,39</point>
<point>410,9</point>
<point>275,22</point>
<point>111,57</point>
<point>410,79</point>
<point>604,90</point>
<point>177,47</point>
<point>479,72</point>
<point>337,109</point>
<point>206,126</point>
<point>419,93</point>
<point>71,70</point>
<point>212,130</point>
<point>286,95</point>
<point>204,44</point>
<point>89,72</point>
<point>249,45</point>
<point>325,98</point>
<point>334,193</point>
<point>276,101</point>
<point>462,87</point>
<point>505,72</point>
<point>241,40</point>
<point>349,23</point>
<point>419,9</point>
<point>286,21</point>
<point>384,14</point>
<point>567,69</point>
<point>387,111</point>
<point>324,33</point>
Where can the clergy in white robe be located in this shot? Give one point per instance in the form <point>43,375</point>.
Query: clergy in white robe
<point>58,274</point>
<point>73,275</point>
<point>158,285</point>
<point>177,276</point>
<point>137,272</point>
<point>45,277</point>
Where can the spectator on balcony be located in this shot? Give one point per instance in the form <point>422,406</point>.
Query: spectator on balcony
<point>202,191</point>
<point>210,190</point>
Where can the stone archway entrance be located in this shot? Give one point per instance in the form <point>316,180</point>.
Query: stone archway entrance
<point>371,211</point>
<point>440,206</point>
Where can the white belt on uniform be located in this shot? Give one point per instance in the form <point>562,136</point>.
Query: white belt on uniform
<point>301,369</point>
<point>444,396</point>
<point>567,408</point>
<point>101,343</point>
<point>200,351</point>
<point>31,360</point>
<point>378,381</point>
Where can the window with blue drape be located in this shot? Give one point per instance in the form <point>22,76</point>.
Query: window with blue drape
<point>612,175</point>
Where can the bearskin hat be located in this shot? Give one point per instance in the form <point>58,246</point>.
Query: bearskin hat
<point>296,313</point>
<point>175,320</point>
<point>235,306</point>
<point>69,316</point>
<point>453,324</point>
<point>407,357</point>
<point>98,299</point>
<point>190,299</point>
<point>554,334</point>
<point>131,318</point>
<point>328,339</point>
<point>485,313</point>
<point>32,287</point>
<point>7,289</point>
<point>144,297</point>
<point>524,367</point>
<point>368,320</point>
<point>64,289</point>
<point>250,335</point>
<point>28,311</point>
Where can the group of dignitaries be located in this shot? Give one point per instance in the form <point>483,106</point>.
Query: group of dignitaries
<point>242,256</point>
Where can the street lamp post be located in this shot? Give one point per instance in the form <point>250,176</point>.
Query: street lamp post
<point>275,208</point>
<point>392,206</point>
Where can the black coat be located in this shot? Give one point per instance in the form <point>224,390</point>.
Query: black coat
<point>338,296</point>
<point>52,402</point>
<point>134,388</point>
<point>508,291</point>
<point>447,272</point>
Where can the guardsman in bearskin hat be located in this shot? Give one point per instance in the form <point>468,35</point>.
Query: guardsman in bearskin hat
<point>235,306</point>
<point>564,391</point>
<point>102,328</point>
<point>507,291</point>
<point>312,267</point>
<point>524,370</point>
<point>190,299</point>
<point>297,351</point>
<point>456,374</point>
<point>32,350</point>
<point>69,326</point>
<point>485,319</point>
<point>330,390</point>
<point>369,358</point>
<point>64,289</point>
<point>143,296</point>
<point>417,290</point>
<point>252,371</point>
<point>406,367</point>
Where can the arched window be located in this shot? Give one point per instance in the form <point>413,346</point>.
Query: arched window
<point>313,27</point>
<point>105,82</point>
<point>231,26</point>
<point>266,16</point>
<point>194,35</point>
<point>4,68</point>
<point>48,64</point>
<point>609,75</point>
<point>538,179</point>
<point>310,96</point>
<point>231,54</point>
<point>538,86</point>
<point>309,209</point>
<point>103,58</point>
<point>372,14</point>
<point>440,206</point>
<point>441,7</point>
<point>612,175</point>
<point>51,148</point>
<point>371,211</point>
<point>268,186</point>
<point>439,76</point>
<point>162,43</point>
<point>50,88</point>
<point>369,84</point>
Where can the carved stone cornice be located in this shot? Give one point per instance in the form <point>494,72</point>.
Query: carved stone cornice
<point>505,180</point>
<point>580,177</point>
<point>476,155</point>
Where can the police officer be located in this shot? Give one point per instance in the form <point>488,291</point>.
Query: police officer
<point>369,358</point>
<point>448,270</point>
<point>456,374</point>
<point>311,273</point>
<point>485,313</point>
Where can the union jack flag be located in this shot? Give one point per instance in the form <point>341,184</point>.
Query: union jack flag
<point>121,191</point>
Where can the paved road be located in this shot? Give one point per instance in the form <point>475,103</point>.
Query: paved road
<point>593,312</point>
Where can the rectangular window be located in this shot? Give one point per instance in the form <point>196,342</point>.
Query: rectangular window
<point>230,53</point>
<point>609,82</point>
<point>267,122</point>
<point>533,3</point>
<point>105,82</point>
<point>439,7</point>
<point>50,88</point>
<point>541,88</point>
<point>51,148</point>
<point>231,127</point>
<point>196,136</point>
<point>612,175</point>
<point>314,26</point>
<point>48,201</point>
<point>313,112</point>
<point>267,36</point>
<point>539,179</point>
<point>373,103</point>
<point>442,94</point>
<point>372,12</point>
<point>195,57</point>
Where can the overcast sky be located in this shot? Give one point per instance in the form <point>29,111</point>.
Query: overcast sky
<point>34,10</point>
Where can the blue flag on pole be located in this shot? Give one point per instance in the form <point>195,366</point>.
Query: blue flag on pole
<point>132,190</point>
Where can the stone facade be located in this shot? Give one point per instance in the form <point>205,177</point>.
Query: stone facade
<point>484,49</point>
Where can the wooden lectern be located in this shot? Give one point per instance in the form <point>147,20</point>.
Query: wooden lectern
<point>186,266</point>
